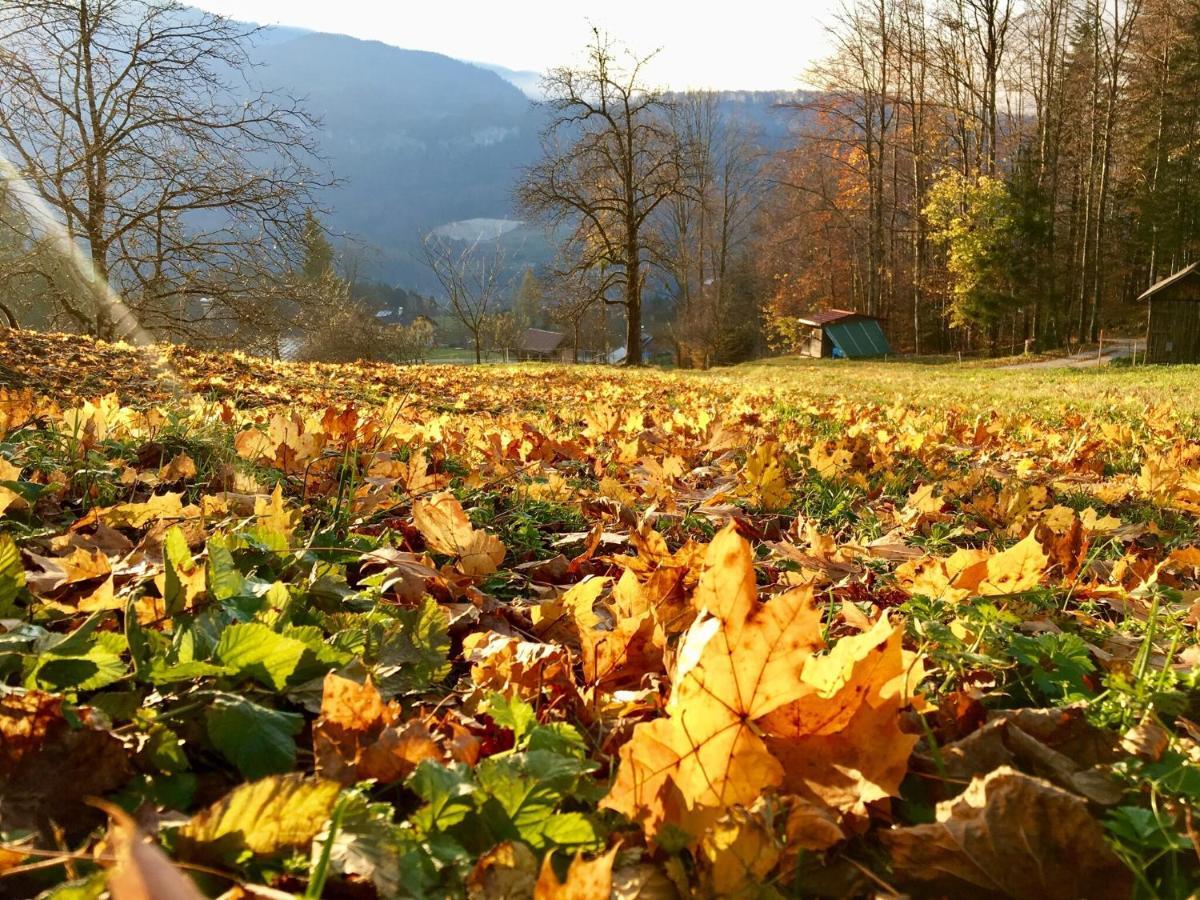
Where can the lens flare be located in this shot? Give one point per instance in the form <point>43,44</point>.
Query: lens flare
<point>47,226</point>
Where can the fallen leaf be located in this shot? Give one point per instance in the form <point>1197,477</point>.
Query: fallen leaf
<point>739,661</point>
<point>276,813</point>
<point>1018,569</point>
<point>141,870</point>
<point>515,668</point>
<point>509,871</point>
<point>764,478</point>
<point>448,531</point>
<point>738,852</point>
<point>841,743</point>
<point>1011,835</point>
<point>47,766</point>
<point>357,736</point>
<point>586,879</point>
<point>811,826</point>
<point>178,469</point>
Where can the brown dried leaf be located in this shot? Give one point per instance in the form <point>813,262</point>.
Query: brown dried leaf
<point>1010,835</point>
<point>142,871</point>
<point>509,871</point>
<point>47,767</point>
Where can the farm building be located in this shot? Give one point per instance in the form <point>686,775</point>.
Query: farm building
<point>1173,334</point>
<point>843,334</point>
<point>537,343</point>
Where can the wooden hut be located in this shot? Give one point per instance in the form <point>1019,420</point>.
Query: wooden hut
<point>537,343</point>
<point>843,333</point>
<point>1173,334</point>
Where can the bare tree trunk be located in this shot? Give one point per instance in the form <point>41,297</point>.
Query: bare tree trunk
<point>1122,28</point>
<point>633,315</point>
<point>1094,98</point>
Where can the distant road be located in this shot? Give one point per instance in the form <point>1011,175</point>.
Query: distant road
<point>1087,359</point>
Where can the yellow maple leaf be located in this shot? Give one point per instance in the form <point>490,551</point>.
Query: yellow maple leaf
<point>738,853</point>
<point>617,650</point>
<point>765,478</point>
<point>954,578</point>
<point>273,515</point>
<point>586,879</point>
<point>9,472</point>
<point>447,530</point>
<point>1019,568</point>
<point>738,661</point>
<point>274,813</point>
<point>159,507</point>
<point>841,743</point>
<point>753,706</point>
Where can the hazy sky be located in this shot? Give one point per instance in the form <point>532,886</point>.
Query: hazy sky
<point>752,44</point>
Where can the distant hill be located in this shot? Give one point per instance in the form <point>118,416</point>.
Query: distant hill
<point>419,139</point>
<point>772,115</point>
<point>422,141</point>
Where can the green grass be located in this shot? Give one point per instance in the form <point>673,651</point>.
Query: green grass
<point>1112,392</point>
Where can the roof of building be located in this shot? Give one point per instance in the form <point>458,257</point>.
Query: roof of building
<point>537,340</point>
<point>616,357</point>
<point>1171,279</point>
<point>858,337</point>
<point>825,316</point>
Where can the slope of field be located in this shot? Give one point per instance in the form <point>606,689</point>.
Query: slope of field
<point>790,629</point>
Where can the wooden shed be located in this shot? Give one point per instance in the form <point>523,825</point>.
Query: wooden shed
<point>843,333</point>
<point>1173,334</point>
<point>537,343</point>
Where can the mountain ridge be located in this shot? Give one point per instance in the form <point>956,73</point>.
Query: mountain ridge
<point>420,140</point>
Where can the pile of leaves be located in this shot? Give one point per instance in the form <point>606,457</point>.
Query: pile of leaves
<point>353,631</point>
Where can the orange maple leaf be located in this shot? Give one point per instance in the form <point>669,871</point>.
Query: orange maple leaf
<point>753,706</point>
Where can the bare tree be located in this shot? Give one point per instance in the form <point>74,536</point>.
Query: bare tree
<point>502,333</point>
<point>574,296</point>
<point>707,224</point>
<point>176,185</point>
<point>988,21</point>
<point>858,82</point>
<point>610,159</point>
<point>470,275</point>
<point>1115,48</point>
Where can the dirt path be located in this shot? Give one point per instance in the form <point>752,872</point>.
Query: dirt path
<point>1087,359</point>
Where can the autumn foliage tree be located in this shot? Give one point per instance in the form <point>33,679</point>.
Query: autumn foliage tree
<point>973,220</point>
<point>1083,111</point>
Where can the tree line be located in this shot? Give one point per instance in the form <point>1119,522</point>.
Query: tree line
<point>983,172</point>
